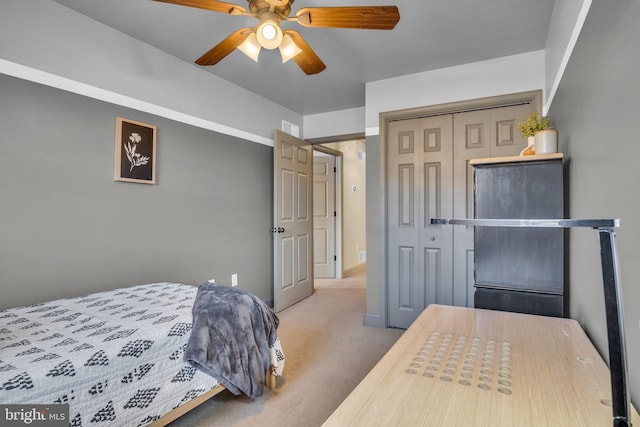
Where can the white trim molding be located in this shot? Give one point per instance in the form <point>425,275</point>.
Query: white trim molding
<point>63,83</point>
<point>562,18</point>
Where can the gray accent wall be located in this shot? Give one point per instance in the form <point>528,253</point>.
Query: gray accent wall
<point>68,50</point>
<point>376,291</point>
<point>596,110</point>
<point>67,228</point>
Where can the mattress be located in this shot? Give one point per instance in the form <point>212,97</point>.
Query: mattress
<point>116,357</point>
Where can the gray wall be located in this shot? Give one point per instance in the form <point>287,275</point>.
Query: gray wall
<point>376,290</point>
<point>596,111</point>
<point>67,228</point>
<point>68,50</point>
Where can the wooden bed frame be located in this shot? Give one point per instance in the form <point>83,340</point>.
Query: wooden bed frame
<point>193,403</point>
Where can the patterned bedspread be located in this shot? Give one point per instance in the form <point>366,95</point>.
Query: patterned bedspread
<point>116,357</point>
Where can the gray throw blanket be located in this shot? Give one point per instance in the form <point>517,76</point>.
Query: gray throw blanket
<point>231,335</point>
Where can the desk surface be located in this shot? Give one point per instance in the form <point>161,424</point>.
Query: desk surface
<point>467,367</point>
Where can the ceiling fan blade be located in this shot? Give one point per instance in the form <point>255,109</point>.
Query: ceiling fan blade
<point>214,5</point>
<point>364,17</point>
<point>224,48</point>
<point>307,60</point>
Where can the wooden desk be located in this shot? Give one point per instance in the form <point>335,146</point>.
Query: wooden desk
<point>468,367</point>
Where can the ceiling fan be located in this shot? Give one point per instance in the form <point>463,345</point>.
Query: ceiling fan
<point>268,33</point>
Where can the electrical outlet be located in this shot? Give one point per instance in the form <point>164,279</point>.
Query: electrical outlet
<point>234,280</point>
<point>211,280</point>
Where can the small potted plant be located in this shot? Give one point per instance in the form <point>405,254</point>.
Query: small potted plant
<point>540,137</point>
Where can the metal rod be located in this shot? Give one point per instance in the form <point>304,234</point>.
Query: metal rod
<point>541,223</point>
<point>620,398</point>
<point>615,329</point>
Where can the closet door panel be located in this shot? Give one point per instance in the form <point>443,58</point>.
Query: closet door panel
<point>437,195</point>
<point>506,139</point>
<point>419,254</point>
<point>405,293</point>
<point>471,140</point>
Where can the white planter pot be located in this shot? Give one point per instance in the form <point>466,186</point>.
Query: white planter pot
<point>529,150</point>
<point>546,141</point>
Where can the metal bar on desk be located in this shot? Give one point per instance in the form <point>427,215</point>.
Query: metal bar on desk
<point>541,223</point>
<point>620,398</point>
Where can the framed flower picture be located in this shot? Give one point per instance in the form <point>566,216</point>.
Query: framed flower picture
<point>135,152</point>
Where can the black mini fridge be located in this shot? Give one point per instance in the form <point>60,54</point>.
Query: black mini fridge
<point>519,269</point>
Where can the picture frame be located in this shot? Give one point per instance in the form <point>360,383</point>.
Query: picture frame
<point>135,156</point>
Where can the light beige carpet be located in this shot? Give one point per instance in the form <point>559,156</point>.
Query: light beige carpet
<point>328,351</point>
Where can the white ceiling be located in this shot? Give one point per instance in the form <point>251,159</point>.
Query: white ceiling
<point>431,34</point>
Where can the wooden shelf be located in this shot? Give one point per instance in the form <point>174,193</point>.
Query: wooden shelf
<point>516,159</point>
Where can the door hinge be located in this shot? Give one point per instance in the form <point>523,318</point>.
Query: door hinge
<point>335,213</point>
<point>335,169</point>
<point>335,258</point>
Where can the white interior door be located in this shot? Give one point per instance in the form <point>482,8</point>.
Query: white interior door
<point>324,215</point>
<point>293,220</point>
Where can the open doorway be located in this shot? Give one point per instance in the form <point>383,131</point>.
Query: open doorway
<point>346,244</point>
<point>327,213</point>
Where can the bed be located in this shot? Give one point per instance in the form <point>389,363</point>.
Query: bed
<point>116,358</point>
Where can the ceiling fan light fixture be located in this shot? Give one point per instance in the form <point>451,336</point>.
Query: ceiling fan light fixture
<point>268,31</point>
<point>288,49</point>
<point>269,34</point>
<point>251,47</point>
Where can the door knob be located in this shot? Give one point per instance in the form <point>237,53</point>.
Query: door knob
<point>432,238</point>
